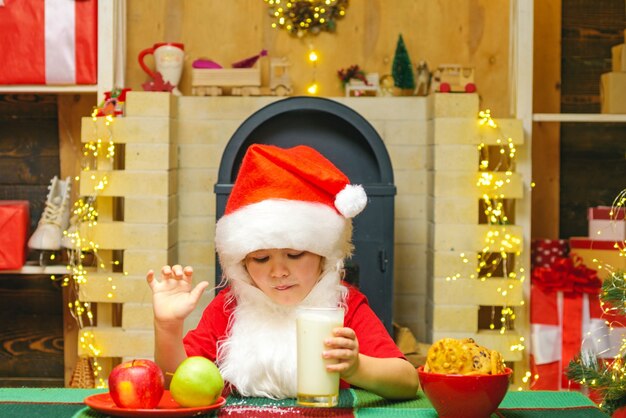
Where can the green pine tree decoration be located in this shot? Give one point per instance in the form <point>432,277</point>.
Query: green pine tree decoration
<point>402,69</point>
<point>613,294</point>
<point>606,377</point>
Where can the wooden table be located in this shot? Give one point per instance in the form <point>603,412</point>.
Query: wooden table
<point>53,402</point>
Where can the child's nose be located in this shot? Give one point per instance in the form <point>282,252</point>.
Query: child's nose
<point>279,269</point>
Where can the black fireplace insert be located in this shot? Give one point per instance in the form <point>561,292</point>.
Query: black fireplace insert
<point>352,144</point>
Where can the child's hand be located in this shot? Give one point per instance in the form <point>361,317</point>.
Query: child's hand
<point>173,295</point>
<point>344,347</point>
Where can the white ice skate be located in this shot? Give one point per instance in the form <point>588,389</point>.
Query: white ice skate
<point>55,217</point>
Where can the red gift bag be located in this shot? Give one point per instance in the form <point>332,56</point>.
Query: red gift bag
<point>14,221</point>
<point>49,42</point>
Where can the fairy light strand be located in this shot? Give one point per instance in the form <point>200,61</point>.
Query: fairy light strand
<point>313,56</point>
<point>499,243</point>
<point>85,213</point>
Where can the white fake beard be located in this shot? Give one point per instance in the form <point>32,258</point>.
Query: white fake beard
<point>259,356</point>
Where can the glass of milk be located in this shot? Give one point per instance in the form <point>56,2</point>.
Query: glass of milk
<point>316,386</point>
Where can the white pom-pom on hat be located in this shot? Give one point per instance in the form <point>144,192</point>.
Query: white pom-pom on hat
<point>351,200</point>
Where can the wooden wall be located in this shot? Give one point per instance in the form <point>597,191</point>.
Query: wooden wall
<point>592,166</point>
<point>545,136</point>
<point>31,307</point>
<point>29,149</point>
<point>468,32</point>
<point>31,332</point>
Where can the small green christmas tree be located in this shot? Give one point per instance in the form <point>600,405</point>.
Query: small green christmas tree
<point>402,69</point>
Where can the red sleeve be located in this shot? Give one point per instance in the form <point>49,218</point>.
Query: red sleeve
<point>374,340</point>
<point>202,341</point>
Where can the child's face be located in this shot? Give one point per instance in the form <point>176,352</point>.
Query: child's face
<point>285,275</point>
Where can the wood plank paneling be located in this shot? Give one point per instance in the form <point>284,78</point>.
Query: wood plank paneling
<point>29,149</point>
<point>589,31</point>
<point>442,32</point>
<point>31,307</point>
<point>592,171</point>
<point>546,138</point>
<point>592,155</point>
<point>31,331</point>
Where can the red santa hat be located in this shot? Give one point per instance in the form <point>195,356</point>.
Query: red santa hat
<point>287,198</point>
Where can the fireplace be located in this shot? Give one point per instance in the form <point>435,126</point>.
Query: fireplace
<point>348,140</point>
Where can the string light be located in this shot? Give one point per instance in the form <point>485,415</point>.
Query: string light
<point>312,89</point>
<point>86,213</point>
<point>500,243</point>
<point>313,56</point>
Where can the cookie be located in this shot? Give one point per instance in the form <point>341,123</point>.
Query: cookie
<point>497,363</point>
<point>448,356</point>
<point>481,358</point>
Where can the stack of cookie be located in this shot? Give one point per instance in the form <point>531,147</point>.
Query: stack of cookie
<point>452,356</point>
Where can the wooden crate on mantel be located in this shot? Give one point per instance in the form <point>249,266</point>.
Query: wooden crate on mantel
<point>137,220</point>
<point>455,229</point>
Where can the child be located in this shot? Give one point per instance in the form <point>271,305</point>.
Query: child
<point>281,244</point>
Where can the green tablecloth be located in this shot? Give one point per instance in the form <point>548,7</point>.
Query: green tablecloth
<point>52,403</point>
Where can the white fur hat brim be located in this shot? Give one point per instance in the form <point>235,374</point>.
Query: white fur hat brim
<point>278,223</point>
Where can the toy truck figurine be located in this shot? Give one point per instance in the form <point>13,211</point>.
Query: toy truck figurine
<point>241,81</point>
<point>280,81</point>
<point>453,78</point>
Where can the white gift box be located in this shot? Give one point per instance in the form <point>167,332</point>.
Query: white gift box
<point>604,226</point>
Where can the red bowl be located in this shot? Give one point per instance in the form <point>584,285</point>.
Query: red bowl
<point>460,396</point>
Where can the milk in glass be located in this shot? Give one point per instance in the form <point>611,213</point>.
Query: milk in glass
<point>316,386</point>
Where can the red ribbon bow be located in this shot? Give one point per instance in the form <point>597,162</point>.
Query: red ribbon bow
<point>567,275</point>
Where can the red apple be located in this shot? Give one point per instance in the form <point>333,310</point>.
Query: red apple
<point>136,384</point>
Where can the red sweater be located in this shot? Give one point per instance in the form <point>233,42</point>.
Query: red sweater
<point>374,341</point>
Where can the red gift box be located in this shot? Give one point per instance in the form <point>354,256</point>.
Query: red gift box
<point>544,252</point>
<point>49,42</point>
<point>603,256</point>
<point>14,221</point>
<point>566,317</point>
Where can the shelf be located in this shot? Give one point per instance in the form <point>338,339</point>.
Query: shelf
<point>579,117</point>
<point>48,89</point>
<point>32,269</point>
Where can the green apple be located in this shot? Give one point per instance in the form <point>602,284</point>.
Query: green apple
<point>196,382</point>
